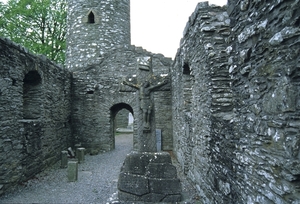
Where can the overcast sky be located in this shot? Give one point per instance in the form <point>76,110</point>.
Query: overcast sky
<point>157,25</point>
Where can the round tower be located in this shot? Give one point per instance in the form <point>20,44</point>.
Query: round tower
<point>94,27</point>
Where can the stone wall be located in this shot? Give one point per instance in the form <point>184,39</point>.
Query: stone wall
<point>236,102</point>
<point>234,106</point>
<point>94,28</point>
<point>34,113</point>
<point>265,73</point>
<point>97,98</point>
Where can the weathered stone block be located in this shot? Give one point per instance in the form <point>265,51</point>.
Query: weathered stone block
<point>123,196</point>
<point>161,170</point>
<point>165,186</point>
<point>157,181</point>
<point>151,197</point>
<point>161,157</point>
<point>72,171</point>
<point>136,163</point>
<point>133,184</point>
<point>64,159</point>
<point>172,198</point>
<point>80,154</point>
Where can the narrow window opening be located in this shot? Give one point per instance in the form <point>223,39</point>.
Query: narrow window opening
<point>90,92</point>
<point>187,84</point>
<point>186,69</point>
<point>32,93</point>
<point>14,82</point>
<point>91,17</point>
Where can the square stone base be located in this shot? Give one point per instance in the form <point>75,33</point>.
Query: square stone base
<point>149,177</point>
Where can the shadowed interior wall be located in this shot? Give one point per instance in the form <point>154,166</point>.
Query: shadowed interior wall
<point>34,113</point>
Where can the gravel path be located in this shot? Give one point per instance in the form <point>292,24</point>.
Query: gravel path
<point>97,181</point>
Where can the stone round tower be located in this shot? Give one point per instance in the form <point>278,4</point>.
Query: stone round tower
<point>94,28</point>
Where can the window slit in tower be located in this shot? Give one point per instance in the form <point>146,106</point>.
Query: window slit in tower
<point>91,17</point>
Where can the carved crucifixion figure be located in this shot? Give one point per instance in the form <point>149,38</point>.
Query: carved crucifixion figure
<point>146,104</point>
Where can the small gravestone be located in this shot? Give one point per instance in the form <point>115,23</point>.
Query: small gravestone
<point>64,159</point>
<point>158,139</point>
<point>80,154</point>
<point>72,171</point>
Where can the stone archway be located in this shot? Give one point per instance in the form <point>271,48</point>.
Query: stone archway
<point>114,110</point>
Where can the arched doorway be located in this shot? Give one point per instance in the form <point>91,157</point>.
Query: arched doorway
<point>116,118</point>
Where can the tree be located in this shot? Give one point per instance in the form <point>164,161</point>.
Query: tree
<point>39,25</point>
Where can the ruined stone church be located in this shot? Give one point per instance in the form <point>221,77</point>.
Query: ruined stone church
<point>231,114</point>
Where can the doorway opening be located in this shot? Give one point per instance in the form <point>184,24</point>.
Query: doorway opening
<point>122,118</point>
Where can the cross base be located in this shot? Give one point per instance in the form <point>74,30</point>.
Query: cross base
<point>149,177</point>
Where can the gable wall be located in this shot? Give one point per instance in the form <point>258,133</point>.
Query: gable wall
<point>91,116</point>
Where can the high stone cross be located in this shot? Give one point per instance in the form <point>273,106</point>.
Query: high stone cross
<point>145,83</point>
<point>147,175</point>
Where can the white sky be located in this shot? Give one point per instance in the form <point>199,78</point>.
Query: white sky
<point>157,25</point>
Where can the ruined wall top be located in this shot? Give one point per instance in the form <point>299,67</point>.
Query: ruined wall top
<point>94,28</point>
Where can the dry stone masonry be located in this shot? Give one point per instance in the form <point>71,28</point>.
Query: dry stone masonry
<point>97,99</point>
<point>100,56</point>
<point>95,27</point>
<point>149,177</point>
<point>35,108</point>
<point>236,102</point>
<point>230,113</point>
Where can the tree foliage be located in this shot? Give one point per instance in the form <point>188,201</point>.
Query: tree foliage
<point>39,25</point>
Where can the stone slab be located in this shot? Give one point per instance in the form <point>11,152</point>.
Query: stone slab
<point>153,197</point>
<point>149,177</point>
<point>161,157</point>
<point>133,184</point>
<point>72,171</point>
<point>165,186</point>
<point>64,159</point>
<point>172,198</point>
<point>123,196</point>
<point>80,154</point>
<point>161,170</point>
<point>136,163</point>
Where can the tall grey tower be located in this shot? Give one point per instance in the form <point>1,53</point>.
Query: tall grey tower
<point>94,28</point>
